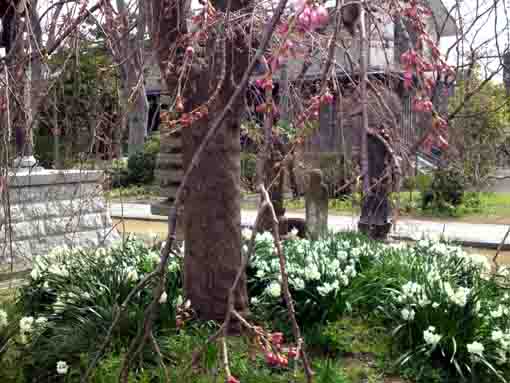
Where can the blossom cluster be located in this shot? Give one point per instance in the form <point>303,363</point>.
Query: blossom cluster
<point>448,296</point>
<point>322,267</point>
<point>28,327</point>
<point>129,261</point>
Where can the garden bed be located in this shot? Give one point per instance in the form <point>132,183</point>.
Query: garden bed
<point>426,312</point>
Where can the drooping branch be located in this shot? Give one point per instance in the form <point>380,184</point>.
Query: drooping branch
<point>144,333</point>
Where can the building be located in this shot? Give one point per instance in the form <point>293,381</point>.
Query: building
<point>334,134</point>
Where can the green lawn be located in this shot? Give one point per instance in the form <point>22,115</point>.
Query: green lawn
<point>133,192</point>
<point>493,207</point>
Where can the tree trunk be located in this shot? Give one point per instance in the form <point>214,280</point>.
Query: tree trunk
<point>137,122</point>
<point>135,108</point>
<point>212,223</point>
<point>212,208</point>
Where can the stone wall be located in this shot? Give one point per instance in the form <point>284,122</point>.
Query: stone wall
<point>50,208</point>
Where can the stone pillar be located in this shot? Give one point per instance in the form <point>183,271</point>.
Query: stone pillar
<point>316,205</point>
<point>169,168</point>
<point>169,171</point>
<point>376,209</point>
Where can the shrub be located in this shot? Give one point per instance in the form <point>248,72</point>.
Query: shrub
<point>420,182</point>
<point>140,168</point>
<point>446,190</point>
<point>249,170</point>
<point>333,169</point>
<point>152,145</point>
<point>118,173</point>
<point>73,296</point>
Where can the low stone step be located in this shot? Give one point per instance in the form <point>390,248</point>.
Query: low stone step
<point>169,161</point>
<point>169,191</point>
<point>169,177</point>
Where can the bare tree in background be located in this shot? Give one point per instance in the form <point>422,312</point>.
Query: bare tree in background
<point>125,29</point>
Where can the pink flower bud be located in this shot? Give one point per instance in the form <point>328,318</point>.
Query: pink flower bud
<point>292,353</point>
<point>304,20</point>
<point>427,106</point>
<point>327,98</point>
<point>314,19</point>
<point>299,5</point>
<point>277,338</point>
<point>323,15</point>
<point>275,64</point>
<point>443,143</point>
<point>284,28</point>
<point>408,80</point>
<point>271,359</point>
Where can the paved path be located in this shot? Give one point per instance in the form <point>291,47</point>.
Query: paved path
<point>477,235</point>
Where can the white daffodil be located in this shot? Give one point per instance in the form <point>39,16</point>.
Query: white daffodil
<point>26,325</point>
<point>476,348</point>
<point>132,274</point>
<point>498,313</point>
<point>163,298</point>
<point>35,273</point>
<point>4,319</point>
<point>62,368</point>
<point>246,233</point>
<point>274,289</point>
<point>41,321</point>
<point>58,306</point>
<point>59,270</point>
<point>430,337</point>
<point>407,314</point>
<point>497,335</point>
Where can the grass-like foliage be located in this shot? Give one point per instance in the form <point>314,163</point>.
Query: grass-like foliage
<point>427,311</point>
<point>73,296</point>
<point>443,305</point>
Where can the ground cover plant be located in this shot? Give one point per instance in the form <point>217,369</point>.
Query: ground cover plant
<point>427,311</point>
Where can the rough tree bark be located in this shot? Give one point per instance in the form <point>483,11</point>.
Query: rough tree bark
<point>212,214</point>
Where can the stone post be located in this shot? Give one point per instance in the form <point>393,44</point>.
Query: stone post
<point>169,171</point>
<point>316,205</point>
<point>376,209</point>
